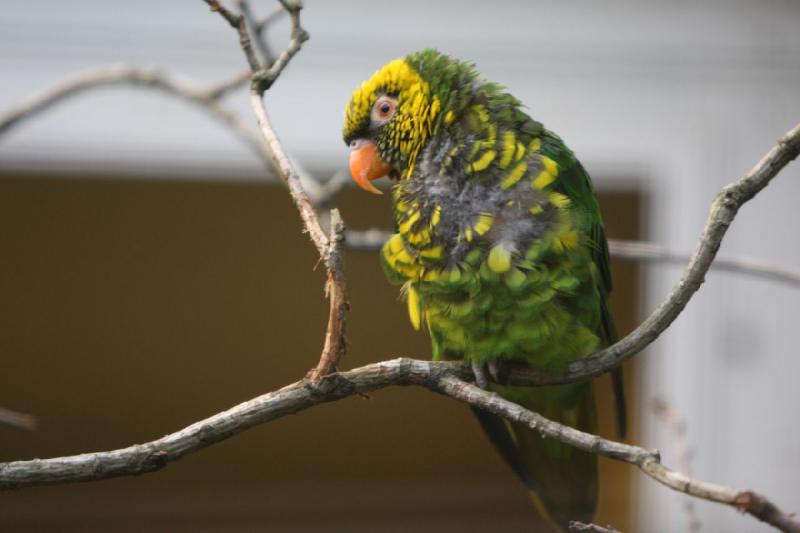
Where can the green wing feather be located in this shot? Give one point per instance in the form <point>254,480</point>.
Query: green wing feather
<point>576,184</point>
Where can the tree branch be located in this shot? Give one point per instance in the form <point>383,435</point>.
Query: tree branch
<point>223,88</point>
<point>290,176</point>
<point>259,27</point>
<point>335,342</point>
<point>329,248</point>
<point>443,378</point>
<point>644,251</point>
<point>205,98</point>
<point>238,22</point>
<point>263,80</point>
<point>283,164</point>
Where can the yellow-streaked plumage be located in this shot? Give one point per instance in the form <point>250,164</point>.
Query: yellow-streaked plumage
<point>509,148</point>
<point>416,113</point>
<point>514,175</point>
<point>483,224</point>
<point>483,162</point>
<point>414,310</point>
<point>499,245</point>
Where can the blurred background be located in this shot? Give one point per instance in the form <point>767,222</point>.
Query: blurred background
<point>152,273</point>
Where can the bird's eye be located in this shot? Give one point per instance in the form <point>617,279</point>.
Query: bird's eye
<point>383,110</point>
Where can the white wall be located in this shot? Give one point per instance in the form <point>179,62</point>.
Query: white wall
<point>676,97</point>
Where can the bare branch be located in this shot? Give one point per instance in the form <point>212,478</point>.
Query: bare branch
<point>238,22</point>
<point>204,97</point>
<point>263,80</point>
<point>644,251</point>
<point>257,28</point>
<point>17,420</point>
<point>148,78</point>
<point>335,343</point>
<point>269,18</point>
<point>260,30</point>
<point>443,378</point>
<point>223,88</point>
<point>329,248</point>
<point>283,163</point>
<point>289,174</point>
<point>576,526</point>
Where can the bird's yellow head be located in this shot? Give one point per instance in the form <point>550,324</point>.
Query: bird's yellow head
<point>387,121</point>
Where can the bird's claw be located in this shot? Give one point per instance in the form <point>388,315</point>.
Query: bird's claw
<point>493,368</point>
<point>480,375</point>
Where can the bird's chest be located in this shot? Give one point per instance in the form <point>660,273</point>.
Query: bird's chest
<point>488,278</point>
<point>441,220</point>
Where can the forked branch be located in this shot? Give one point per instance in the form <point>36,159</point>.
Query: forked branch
<point>328,247</point>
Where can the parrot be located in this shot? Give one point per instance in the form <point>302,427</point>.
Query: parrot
<point>500,251</point>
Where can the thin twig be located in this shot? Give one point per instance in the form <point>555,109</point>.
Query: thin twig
<point>222,88</point>
<point>443,378</point>
<point>371,240</point>
<point>205,97</point>
<point>283,164</point>
<point>142,77</point>
<point>329,248</point>
<point>677,426</point>
<point>260,31</point>
<point>290,176</point>
<point>252,24</point>
<point>17,420</point>
<point>259,28</point>
<point>238,22</point>
<point>263,80</point>
<point>645,251</point>
<point>580,527</point>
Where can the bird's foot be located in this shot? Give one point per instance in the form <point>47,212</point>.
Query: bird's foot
<point>495,369</point>
<point>480,375</point>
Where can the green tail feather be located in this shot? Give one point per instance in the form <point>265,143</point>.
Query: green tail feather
<point>563,480</point>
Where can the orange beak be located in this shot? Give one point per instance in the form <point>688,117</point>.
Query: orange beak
<point>366,165</point>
